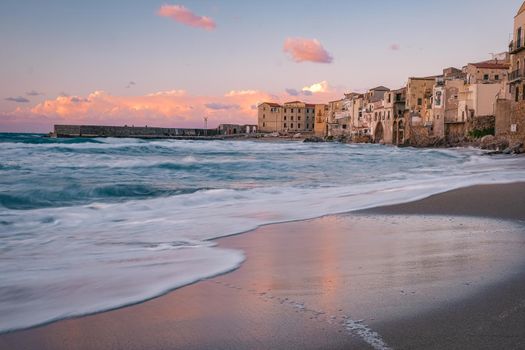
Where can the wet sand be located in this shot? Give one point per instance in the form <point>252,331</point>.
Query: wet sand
<point>393,277</point>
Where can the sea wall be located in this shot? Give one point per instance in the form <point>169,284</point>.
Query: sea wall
<point>128,131</point>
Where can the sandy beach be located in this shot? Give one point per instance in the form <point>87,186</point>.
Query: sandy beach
<point>445,272</point>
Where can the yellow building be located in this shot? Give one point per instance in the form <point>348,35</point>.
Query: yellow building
<point>269,117</point>
<point>293,117</point>
<point>417,90</point>
<point>321,120</point>
<point>298,117</point>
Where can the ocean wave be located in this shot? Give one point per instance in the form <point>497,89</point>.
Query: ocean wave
<point>91,226</point>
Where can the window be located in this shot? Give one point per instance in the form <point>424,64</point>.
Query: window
<point>496,77</point>
<point>298,110</point>
<point>419,101</point>
<point>299,125</point>
<point>264,124</point>
<point>485,77</point>
<point>291,109</point>
<point>291,126</point>
<point>284,117</point>
<point>291,118</point>
<point>388,115</point>
<point>285,125</point>
<point>299,118</point>
<point>517,97</point>
<point>264,117</point>
<point>518,38</point>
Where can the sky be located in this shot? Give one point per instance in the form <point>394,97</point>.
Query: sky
<point>172,63</point>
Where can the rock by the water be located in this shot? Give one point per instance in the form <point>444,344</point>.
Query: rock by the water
<point>314,139</point>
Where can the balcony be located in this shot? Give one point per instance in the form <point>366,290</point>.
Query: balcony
<point>342,115</point>
<point>514,49</point>
<point>516,75</point>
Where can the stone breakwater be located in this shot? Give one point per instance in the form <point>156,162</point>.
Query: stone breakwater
<point>130,131</point>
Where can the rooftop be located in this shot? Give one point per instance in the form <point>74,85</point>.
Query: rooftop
<point>491,65</point>
<point>271,104</point>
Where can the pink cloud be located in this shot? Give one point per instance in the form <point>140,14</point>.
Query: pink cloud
<point>303,50</point>
<point>183,15</point>
<point>172,108</point>
<point>394,47</point>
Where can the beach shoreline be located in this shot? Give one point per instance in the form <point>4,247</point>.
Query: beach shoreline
<point>212,302</point>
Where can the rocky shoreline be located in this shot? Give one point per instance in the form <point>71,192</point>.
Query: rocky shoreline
<point>497,145</point>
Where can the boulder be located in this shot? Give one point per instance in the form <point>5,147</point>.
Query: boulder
<point>490,142</point>
<point>515,148</point>
<point>314,139</point>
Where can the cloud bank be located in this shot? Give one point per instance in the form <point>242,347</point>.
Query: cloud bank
<point>171,108</point>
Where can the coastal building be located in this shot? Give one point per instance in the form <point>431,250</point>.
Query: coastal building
<point>493,71</point>
<point>510,113</point>
<point>445,104</point>
<point>234,129</point>
<point>334,127</point>
<point>321,120</point>
<point>270,117</point>
<point>295,117</point>
<point>372,112</point>
<point>393,126</point>
<point>417,90</point>
<point>298,117</point>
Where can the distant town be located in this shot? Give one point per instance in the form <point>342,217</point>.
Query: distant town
<point>451,108</point>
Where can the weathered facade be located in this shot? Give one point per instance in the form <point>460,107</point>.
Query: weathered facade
<point>492,71</point>
<point>513,114</point>
<point>394,107</point>
<point>294,117</point>
<point>270,117</point>
<point>235,129</point>
<point>417,90</point>
<point>321,120</point>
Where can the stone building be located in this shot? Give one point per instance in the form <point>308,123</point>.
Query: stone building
<point>235,129</point>
<point>417,90</point>
<point>298,117</point>
<point>445,103</point>
<point>372,112</point>
<point>510,118</point>
<point>321,120</point>
<point>493,71</point>
<point>392,124</point>
<point>269,118</point>
<point>334,127</point>
<point>294,117</point>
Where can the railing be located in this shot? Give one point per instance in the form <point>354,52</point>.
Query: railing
<point>517,74</point>
<point>341,115</point>
<point>516,47</point>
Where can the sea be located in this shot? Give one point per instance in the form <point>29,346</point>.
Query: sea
<point>88,225</point>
